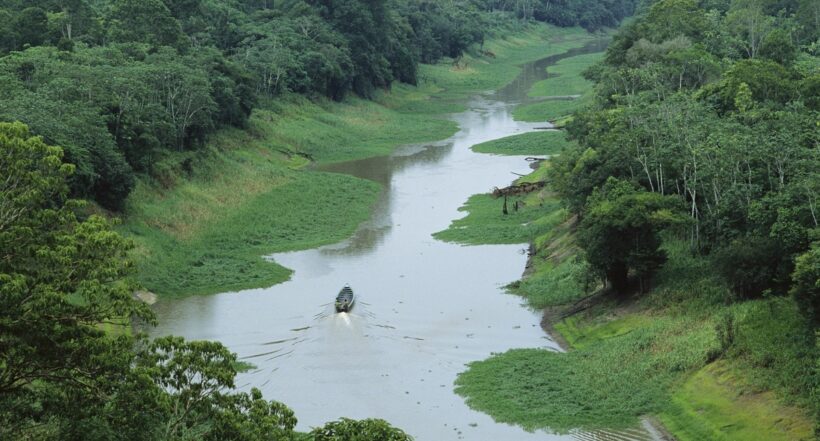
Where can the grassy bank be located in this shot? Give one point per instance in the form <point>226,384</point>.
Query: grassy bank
<point>563,93</point>
<point>665,353</point>
<point>668,353</point>
<point>706,368</point>
<point>549,142</point>
<point>497,64</point>
<point>202,223</point>
<point>486,224</point>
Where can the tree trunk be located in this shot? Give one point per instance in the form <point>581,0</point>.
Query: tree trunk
<point>618,276</point>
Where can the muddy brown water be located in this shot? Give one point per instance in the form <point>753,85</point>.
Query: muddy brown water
<point>424,308</point>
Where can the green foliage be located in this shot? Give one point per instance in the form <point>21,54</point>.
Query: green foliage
<point>226,253</point>
<point>619,232</point>
<point>59,278</point>
<point>751,265</point>
<point>485,222</point>
<point>144,21</point>
<point>715,404</point>
<point>669,18</point>
<point>806,287</point>
<point>560,90</point>
<point>63,377</point>
<point>565,77</point>
<point>591,15</point>
<point>532,143</point>
<point>579,389</point>
<point>147,77</point>
<point>346,429</point>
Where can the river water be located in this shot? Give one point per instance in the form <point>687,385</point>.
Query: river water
<point>424,308</point>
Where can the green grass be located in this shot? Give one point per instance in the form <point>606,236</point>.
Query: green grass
<point>486,224</point>
<point>565,77</point>
<point>550,109</point>
<point>355,128</point>
<point>482,73</point>
<point>178,256</point>
<point>203,221</point>
<point>657,356</point>
<point>566,82</point>
<point>532,143</point>
<point>606,385</point>
<point>580,334</point>
<point>714,404</point>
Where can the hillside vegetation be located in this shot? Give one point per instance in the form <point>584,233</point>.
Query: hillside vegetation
<point>198,119</point>
<point>688,252</point>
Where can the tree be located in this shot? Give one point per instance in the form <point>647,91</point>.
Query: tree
<point>32,26</point>
<point>59,279</point>
<point>806,284</point>
<point>346,429</point>
<point>620,232</point>
<point>749,24</point>
<point>62,376</point>
<point>8,32</point>
<point>144,21</point>
<point>667,19</point>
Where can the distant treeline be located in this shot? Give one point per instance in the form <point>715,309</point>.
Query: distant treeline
<point>118,82</point>
<point>706,123</point>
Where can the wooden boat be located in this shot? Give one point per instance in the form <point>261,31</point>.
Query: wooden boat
<point>345,299</point>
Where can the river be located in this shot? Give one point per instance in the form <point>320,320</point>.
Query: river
<point>424,308</point>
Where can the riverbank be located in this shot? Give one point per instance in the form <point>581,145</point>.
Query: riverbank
<point>201,225</point>
<point>681,354</point>
<point>704,368</point>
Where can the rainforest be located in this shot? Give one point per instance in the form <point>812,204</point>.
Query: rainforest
<point>562,220</point>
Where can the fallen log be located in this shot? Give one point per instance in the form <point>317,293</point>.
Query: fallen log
<point>523,188</point>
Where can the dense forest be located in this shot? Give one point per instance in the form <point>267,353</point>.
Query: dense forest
<point>95,93</point>
<point>712,113</point>
<point>705,132</point>
<point>118,83</point>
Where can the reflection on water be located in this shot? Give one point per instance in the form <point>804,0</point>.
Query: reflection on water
<point>424,308</point>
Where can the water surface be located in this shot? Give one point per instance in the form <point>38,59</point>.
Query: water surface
<point>424,308</point>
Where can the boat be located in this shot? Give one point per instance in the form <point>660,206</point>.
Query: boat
<point>345,299</point>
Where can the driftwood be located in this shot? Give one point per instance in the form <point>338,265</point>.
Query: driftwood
<point>512,190</point>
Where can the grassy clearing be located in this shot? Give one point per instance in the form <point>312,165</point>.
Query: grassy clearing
<point>566,82</point>
<point>580,334</point>
<point>532,143</point>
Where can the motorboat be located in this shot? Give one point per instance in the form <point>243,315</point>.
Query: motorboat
<point>345,299</point>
